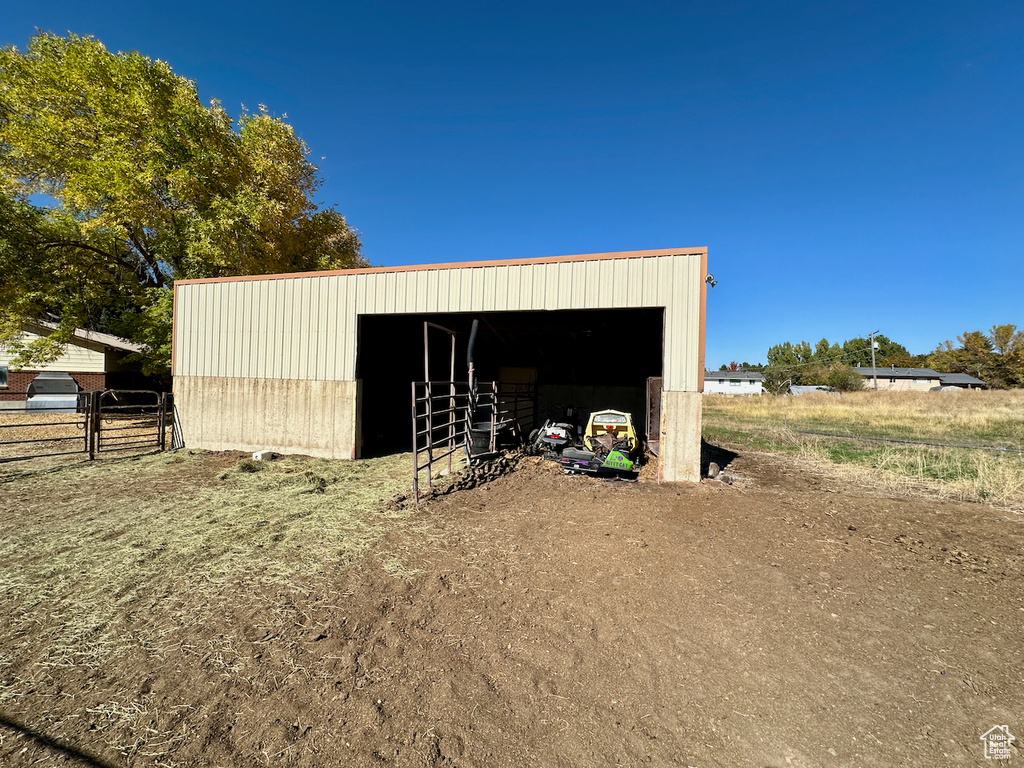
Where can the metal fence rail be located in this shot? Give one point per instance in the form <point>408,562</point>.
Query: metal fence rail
<point>31,419</point>
<point>440,413</point>
<point>122,425</point>
<point>517,405</point>
<point>98,422</point>
<point>443,421</point>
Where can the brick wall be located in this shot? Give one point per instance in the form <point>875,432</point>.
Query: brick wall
<point>18,381</point>
<point>90,382</point>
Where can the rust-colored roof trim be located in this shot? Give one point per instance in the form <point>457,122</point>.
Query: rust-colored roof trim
<point>702,251</point>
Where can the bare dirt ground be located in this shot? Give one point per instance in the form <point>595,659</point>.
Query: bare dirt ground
<point>784,620</point>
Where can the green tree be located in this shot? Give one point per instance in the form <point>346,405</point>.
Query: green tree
<point>826,353</point>
<point>115,180</point>
<point>776,381</point>
<point>857,352</point>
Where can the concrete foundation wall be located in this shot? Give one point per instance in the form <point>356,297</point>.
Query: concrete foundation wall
<point>314,418</point>
<point>680,436</point>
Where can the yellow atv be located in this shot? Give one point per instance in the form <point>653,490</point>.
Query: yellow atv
<point>612,444</point>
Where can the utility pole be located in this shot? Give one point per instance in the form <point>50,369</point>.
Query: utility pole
<point>874,370</point>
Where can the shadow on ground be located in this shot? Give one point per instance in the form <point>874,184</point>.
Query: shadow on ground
<point>53,745</point>
<point>723,457</point>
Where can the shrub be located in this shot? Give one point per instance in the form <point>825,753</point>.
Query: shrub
<point>844,379</point>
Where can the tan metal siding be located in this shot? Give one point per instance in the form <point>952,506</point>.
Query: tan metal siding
<point>305,327</point>
<point>78,357</point>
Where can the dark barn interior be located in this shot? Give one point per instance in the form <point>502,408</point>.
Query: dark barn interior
<point>585,360</point>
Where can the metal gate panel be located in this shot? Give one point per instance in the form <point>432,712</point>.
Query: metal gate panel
<point>127,419</point>
<point>440,411</point>
<point>36,431</point>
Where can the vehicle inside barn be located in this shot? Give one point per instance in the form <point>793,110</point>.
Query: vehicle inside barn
<point>577,361</point>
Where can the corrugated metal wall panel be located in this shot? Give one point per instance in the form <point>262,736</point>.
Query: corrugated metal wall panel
<point>621,272</point>
<point>306,327</point>
<point>197,319</point>
<point>206,307</point>
<point>230,329</point>
<point>330,335</point>
<point>500,290</point>
<point>312,341</point>
<point>281,319</point>
<point>548,280</point>
<point>302,330</point>
<point>380,293</point>
<point>282,322</point>
<point>263,320</point>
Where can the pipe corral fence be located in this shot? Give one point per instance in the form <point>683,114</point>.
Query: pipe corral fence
<point>85,423</point>
<point>452,418</point>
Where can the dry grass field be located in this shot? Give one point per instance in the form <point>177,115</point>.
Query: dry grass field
<point>992,422</point>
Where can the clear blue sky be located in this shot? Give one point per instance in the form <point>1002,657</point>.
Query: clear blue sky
<point>851,166</point>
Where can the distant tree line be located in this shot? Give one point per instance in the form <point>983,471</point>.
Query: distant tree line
<point>996,357</point>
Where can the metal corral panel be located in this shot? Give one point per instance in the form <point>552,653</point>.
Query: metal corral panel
<point>305,326</point>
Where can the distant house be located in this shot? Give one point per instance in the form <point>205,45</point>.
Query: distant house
<point>733,383</point>
<point>901,379</point>
<point>960,381</point>
<point>95,361</point>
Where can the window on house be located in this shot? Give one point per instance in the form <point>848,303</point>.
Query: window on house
<point>735,383</point>
<point>3,375</point>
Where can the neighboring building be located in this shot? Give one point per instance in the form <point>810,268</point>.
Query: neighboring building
<point>733,383</point>
<point>900,379</point>
<point>321,363</point>
<point>960,381</point>
<point>94,360</point>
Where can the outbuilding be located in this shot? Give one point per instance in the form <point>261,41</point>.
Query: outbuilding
<point>321,363</point>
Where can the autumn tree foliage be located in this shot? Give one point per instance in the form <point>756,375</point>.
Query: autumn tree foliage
<point>997,358</point>
<point>115,180</point>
